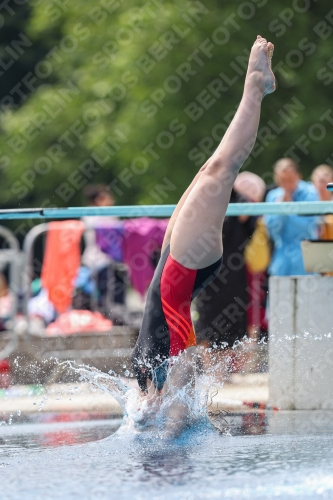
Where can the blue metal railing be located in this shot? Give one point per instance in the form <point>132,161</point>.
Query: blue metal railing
<point>285,208</point>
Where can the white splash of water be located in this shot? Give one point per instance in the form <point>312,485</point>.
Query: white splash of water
<point>182,405</point>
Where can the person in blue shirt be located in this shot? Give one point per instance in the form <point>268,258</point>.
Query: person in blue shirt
<point>287,231</point>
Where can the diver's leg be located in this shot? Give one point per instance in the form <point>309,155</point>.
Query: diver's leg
<point>196,238</point>
<point>173,218</point>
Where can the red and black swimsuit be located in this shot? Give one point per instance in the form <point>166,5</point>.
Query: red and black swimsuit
<point>167,327</point>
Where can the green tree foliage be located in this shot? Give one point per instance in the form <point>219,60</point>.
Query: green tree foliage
<point>137,94</point>
<point>18,52</point>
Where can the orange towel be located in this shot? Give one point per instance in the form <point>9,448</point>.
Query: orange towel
<point>61,261</point>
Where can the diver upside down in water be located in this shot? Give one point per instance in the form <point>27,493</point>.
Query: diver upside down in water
<point>192,248</point>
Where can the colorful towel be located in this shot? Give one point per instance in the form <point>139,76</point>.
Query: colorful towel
<point>133,242</point>
<point>78,321</point>
<point>110,240</point>
<point>142,237</point>
<point>61,261</point>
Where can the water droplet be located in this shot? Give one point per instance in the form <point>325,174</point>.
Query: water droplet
<point>19,412</point>
<point>124,366</point>
<point>127,373</point>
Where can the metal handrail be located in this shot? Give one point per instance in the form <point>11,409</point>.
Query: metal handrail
<point>28,251</point>
<point>28,248</point>
<point>234,209</point>
<point>11,256</point>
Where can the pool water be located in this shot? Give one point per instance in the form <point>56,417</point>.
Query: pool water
<point>285,455</point>
<point>50,431</point>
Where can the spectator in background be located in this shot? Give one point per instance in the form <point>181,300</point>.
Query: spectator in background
<point>99,195</point>
<point>96,195</point>
<point>321,176</point>
<point>287,231</point>
<point>257,257</point>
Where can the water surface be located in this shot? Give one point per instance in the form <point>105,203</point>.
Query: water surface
<point>285,455</point>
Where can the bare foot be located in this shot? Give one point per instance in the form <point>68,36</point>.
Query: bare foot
<point>259,71</point>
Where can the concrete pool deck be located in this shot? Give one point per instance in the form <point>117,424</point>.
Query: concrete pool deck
<point>82,397</point>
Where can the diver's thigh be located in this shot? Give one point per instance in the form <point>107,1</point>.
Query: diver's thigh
<point>196,239</point>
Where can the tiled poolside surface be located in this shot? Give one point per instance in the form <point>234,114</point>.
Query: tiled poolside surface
<point>82,397</point>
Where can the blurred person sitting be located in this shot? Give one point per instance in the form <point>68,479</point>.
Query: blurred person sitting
<point>257,257</point>
<point>99,195</point>
<point>320,177</point>
<point>96,195</point>
<point>287,231</point>
<point>39,306</point>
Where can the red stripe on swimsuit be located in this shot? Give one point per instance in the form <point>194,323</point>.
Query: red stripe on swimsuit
<point>177,284</point>
<point>167,328</point>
